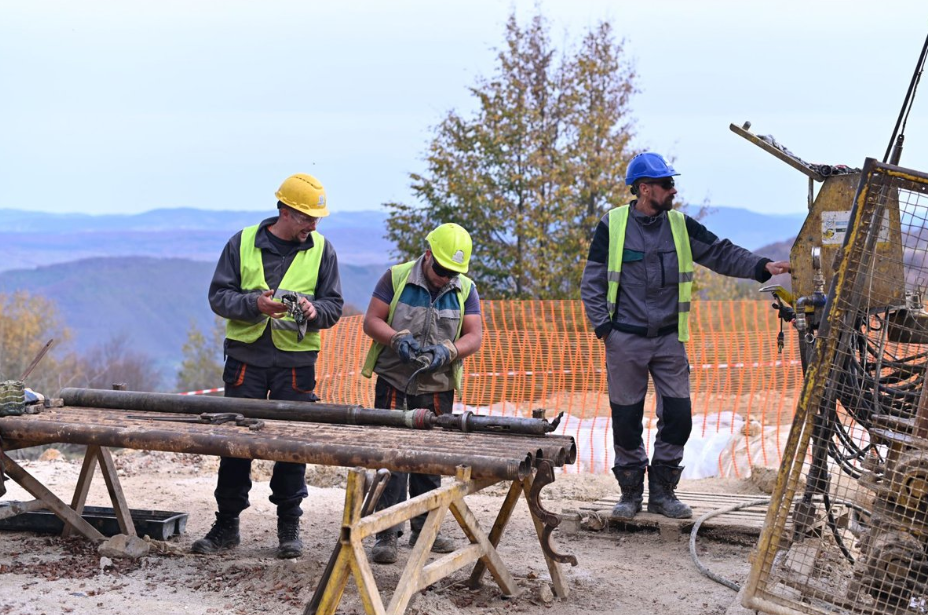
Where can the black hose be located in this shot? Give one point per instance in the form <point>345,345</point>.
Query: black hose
<point>425,365</point>
<point>714,513</point>
<point>736,507</point>
<point>907,102</point>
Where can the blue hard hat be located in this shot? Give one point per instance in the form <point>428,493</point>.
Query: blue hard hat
<point>648,165</point>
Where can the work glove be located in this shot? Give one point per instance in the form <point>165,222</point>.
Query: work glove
<point>405,345</point>
<point>442,354</point>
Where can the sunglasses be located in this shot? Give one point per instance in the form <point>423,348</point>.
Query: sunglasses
<point>441,271</point>
<point>666,184</point>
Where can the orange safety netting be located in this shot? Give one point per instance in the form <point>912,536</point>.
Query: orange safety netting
<point>542,354</point>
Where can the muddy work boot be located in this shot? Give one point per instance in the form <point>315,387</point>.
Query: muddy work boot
<point>384,551</point>
<point>662,480</point>
<point>631,482</point>
<point>442,544</point>
<point>288,537</point>
<point>223,535</point>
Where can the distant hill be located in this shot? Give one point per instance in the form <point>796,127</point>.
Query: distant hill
<point>749,229</point>
<point>777,251</point>
<point>32,239</point>
<point>176,219</point>
<point>150,300</point>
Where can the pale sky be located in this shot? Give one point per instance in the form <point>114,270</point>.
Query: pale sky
<point>111,106</point>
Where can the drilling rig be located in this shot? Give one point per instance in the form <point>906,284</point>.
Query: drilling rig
<point>847,526</point>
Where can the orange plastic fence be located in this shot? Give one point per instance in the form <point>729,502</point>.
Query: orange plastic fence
<point>542,354</point>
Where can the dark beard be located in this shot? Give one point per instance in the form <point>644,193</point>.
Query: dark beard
<point>661,206</point>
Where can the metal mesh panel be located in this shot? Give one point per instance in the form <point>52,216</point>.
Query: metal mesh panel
<point>848,522</point>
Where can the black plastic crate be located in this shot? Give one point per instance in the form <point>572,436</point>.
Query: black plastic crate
<point>158,524</point>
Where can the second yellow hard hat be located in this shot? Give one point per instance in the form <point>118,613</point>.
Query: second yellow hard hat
<point>451,246</point>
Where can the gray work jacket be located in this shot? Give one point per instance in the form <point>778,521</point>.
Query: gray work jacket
<point>647,301</point>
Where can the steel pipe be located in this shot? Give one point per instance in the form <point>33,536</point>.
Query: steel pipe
<point>272,409</point>
<point>279,444</point>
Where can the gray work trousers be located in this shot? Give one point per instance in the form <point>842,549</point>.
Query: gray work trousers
<point>630,359</point>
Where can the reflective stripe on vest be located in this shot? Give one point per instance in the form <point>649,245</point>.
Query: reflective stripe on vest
<point>618,223</point>
<point>300,278</point>
<point>399,276</point>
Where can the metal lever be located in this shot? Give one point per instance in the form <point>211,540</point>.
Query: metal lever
<point>208,418</point>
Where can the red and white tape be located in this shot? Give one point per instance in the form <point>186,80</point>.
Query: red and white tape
<point>204,391</point>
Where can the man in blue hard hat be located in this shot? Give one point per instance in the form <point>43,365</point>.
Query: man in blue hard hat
<point>636,290</point>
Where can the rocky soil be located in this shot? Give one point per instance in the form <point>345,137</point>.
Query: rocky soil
<point>632,573</point>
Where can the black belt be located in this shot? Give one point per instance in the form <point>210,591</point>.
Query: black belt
<point>643,331</point>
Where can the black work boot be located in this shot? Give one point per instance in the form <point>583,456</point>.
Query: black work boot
<point>384,551</point>
<point>631,482</point>
<point>223,535</point>
<point>288,537</point>
<point>662,480</point>
<point>442,544</point>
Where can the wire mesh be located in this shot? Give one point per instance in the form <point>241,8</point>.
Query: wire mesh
<point>848,521</point>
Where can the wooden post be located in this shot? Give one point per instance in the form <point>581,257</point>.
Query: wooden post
<point>496,532</point>
<point>117,497</point>
<point>79,499</point>
<point>354,497</point>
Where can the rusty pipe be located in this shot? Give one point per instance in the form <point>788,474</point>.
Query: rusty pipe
<point>271,409</point>
<point>227,441</point>
<point>468,421</point>
<point>274,409</point>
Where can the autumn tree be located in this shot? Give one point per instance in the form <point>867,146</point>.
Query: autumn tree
<point>115,361</point>
<point>27,323</point>
<point>202,364</point>
<point>532,170</point>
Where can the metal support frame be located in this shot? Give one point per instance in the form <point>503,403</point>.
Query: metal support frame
<point>418,573</point>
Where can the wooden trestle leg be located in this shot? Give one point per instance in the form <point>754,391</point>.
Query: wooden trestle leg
<point>418,574</point>
<point>49,499</point>
<point>71,515</point>
<point>113,486</point>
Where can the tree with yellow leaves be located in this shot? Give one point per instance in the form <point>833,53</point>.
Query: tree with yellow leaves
<point>27,322</point>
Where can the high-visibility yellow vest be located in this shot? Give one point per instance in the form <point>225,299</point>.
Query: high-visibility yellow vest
<point>618,223</point>
<point>399,276</point>
<point>301,278</point>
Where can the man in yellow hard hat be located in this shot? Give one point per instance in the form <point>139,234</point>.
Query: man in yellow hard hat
<point>277,285</point>
<point>423,314</point>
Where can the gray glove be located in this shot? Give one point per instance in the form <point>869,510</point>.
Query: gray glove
<point>405,345</point>
<point>442,354</point>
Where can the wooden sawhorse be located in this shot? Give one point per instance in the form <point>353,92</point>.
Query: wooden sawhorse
<point>71,515</point>
<point>418,574</point>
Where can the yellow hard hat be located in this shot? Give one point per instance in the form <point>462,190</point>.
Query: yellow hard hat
<point>451,246</point>
<point>304,193</point>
